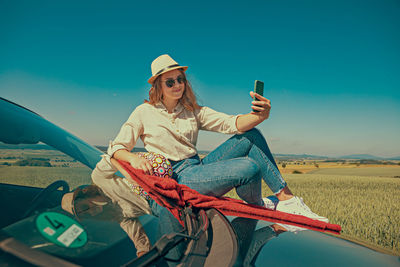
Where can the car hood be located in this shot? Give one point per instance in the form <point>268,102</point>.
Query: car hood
<point>263,247</point>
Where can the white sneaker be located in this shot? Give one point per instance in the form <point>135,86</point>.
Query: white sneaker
<point>270,202</point>
<point>296,205</point>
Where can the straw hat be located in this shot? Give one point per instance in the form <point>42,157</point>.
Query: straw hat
<point>84,199</point>
<point>67,202</point>
<point>162,64</point>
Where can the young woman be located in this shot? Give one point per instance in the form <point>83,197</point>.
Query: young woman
<point>169,123</point>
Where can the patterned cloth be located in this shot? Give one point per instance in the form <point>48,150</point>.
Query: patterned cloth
<point>137,189</point>
<point>161,167</point>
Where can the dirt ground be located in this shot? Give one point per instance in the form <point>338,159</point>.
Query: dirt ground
<point>311,166</point>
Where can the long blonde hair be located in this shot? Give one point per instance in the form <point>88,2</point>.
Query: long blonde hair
<point>188,99</point>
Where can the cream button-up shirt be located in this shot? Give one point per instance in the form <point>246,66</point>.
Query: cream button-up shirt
<point>173,135</point>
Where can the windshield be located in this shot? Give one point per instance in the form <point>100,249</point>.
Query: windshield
<point>41,164</point>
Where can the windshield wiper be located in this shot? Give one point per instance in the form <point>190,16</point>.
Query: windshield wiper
<point>159,250</point>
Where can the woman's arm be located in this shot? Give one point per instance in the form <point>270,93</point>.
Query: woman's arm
<point>126,140</point>
<point>249,121</point>
<point>135,161</point>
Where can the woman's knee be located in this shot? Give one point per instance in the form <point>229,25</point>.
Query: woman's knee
<point>253,136</point>
<point>250,187</point>
<point>249,169</point>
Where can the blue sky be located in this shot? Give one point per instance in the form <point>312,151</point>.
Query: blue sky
<point>331,68</point>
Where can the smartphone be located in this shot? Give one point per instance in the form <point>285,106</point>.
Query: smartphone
<point>259,89</point>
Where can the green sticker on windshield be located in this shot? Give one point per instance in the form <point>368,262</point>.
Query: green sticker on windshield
<point>61,230</point>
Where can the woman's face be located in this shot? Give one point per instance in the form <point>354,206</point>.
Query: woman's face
<point>172,85</point>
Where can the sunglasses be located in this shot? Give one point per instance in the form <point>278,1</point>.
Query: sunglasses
<point>83,205</point>
<point>170,82</point>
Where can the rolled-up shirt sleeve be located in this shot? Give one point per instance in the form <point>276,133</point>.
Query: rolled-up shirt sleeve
<point>127,137</point>
<point>211,120</point>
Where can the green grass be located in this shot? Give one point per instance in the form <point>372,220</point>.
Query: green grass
<point>43,176</point>
<point>367,208</point>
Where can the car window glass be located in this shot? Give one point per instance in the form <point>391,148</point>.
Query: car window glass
<point>39,165</point>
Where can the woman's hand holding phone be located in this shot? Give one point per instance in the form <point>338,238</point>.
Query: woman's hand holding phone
<point>260,110</point>
<point>260,105</point>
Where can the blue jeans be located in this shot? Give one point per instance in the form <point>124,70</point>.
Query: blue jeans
<point>240,162</point>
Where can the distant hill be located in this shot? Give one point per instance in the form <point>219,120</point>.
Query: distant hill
<point>346,157</point>
<point>135,149</point>
<point>24,146</point>
<point>142,149</point>
<point>277,156</point>
<point>361,156</point>
<point>301,156</point>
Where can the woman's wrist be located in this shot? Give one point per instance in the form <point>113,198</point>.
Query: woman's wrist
<point>124,155</point>
<point>133,158</point>
<point>248,121</point>
<point>263,116</point>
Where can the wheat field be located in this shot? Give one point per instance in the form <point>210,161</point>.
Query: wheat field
<point>44,176</point>
<point>367,208</point>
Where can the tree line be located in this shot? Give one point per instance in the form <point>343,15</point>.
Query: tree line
<point>43,162</point>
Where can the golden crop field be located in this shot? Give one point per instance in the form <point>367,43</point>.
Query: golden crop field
<point>334,168</point>
<point>44,176</point>
<point>367,208</point>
